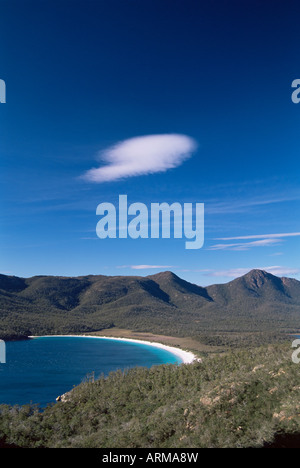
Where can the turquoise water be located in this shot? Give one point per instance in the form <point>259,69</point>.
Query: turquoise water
<point>40,369</point>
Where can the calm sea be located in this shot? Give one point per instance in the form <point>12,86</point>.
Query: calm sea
<point>40,369</point>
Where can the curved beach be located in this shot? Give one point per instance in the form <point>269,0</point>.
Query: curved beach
<point>187,357</point>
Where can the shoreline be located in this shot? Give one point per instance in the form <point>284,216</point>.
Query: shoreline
<point>187,357</point>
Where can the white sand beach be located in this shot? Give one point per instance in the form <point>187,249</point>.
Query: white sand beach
<point>187,357</point>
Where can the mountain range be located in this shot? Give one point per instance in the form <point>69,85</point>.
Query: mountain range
<point>162,303</point>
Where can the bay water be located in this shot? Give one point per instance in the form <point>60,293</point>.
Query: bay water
<point>39,370</point>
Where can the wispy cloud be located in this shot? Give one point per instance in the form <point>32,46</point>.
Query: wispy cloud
<point>241,206</point>
<point>246,245</point>
<point>142,155</point>
<point>261,236</point>
<point>146,267</point>
<point>274,270</point>
<point>264,240</point>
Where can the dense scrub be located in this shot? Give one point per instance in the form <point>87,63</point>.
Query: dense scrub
<point>239,399</point>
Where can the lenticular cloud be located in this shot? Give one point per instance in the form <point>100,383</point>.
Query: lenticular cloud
<point>142,155</point>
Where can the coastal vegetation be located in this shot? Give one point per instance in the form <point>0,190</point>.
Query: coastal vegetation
<point>247,398</point>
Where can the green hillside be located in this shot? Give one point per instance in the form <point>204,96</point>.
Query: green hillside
<point>248,398</point>
<point>241,398</point>
<point>161,303</point>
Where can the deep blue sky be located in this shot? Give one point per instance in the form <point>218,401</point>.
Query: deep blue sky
<point>84,75</point>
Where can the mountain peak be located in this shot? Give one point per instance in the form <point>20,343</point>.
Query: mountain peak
<point>256,273</point>
<point>257,277</point>
<point>166,275</point>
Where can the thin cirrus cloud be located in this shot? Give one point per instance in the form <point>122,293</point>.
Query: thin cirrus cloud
<point>146,267</point>
<point>274,270</point>
<point>264,240</point>
<point>142,155</point>
<point>246,245</point>
<point>262,236</point>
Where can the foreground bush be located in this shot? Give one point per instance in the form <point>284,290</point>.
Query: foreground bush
<point>241,399</point>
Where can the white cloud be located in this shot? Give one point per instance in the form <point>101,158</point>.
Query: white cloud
<point>245,245</point>
<point>279,270</point>
<point>262,236</point>
<point>146,267</point>
<point>274,270</point>
<point>264,240</point>
<point>142,155</point>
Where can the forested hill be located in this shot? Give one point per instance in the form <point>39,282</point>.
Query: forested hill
<point>161,303</point>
